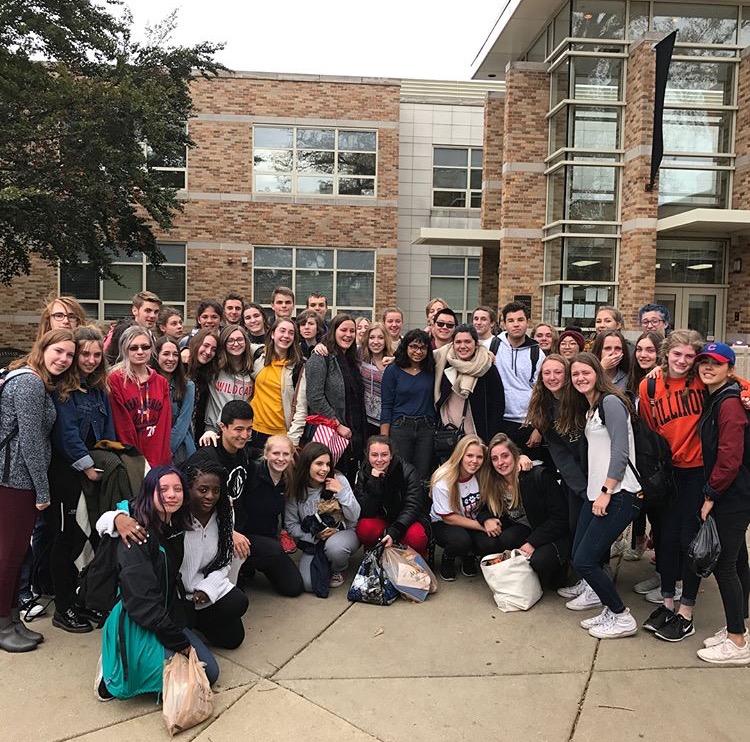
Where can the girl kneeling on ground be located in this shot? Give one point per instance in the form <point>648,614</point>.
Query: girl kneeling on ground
<point>526,510</point>
<point>148,579</point>
<point>314,480</point>
<point>215,606</point>
<point>390,495</point>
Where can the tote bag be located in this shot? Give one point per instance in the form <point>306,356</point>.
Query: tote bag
<point>514,584</point>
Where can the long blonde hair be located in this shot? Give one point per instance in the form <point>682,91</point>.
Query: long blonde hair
<point>493,486</point>
<point>450,471</point>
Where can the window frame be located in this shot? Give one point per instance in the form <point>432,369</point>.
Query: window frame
<point>465,312</point>
<point>144,265</point>
<point>295,174</point>
<point>468,191</point>
<point>334,307</point>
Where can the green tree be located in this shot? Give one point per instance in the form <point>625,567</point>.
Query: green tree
<point>79,100</point>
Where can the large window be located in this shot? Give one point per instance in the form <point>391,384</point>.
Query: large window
<point>311,161</point>
<point>108,299</point>
<point>170,169</point>
<point>457,177</point>
<point>345,277</point>
<point>456,280</point>
<point>690,261</point>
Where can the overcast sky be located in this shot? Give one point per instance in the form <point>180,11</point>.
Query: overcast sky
<point>434,39</point>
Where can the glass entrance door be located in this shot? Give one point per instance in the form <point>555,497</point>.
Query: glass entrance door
<point>695,308</point>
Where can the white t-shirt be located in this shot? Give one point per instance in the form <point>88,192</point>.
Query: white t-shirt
<point>468,500</point>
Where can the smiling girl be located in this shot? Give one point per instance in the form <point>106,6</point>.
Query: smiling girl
<point>315,480</point>
<point>167,363</point>
<point>527,511</point>
<point>215,605</point>
<point>456,502</point>
<point>597,407</point>
<point>375,355</point>
<point>83,419</point>
<point>276,372</point>
<point>27,415</point>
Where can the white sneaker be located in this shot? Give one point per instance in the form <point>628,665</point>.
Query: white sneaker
<point>655,596</point>
<point>337,579</point>
<point>573,591</point>
<point>600,618</point>
<point>616,626</point>
<point>646,586</point>
<point>586,600</point>
<point>720,637</point>
<point>726,653</point>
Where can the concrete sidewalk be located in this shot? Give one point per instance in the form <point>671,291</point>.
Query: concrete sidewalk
<point>454,668</point>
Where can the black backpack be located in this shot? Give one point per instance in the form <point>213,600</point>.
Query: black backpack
<point>97,584</point>
<point>653,460</point>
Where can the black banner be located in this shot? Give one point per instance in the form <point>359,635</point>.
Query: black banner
<point>664,51</point>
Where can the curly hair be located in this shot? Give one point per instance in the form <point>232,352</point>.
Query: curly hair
<point>196,466</point>
<point>402,359</point>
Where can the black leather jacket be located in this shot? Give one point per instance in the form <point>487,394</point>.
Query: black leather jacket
<point>397,497</point>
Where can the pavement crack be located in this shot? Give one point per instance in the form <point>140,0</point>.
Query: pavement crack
<point>585,690</point>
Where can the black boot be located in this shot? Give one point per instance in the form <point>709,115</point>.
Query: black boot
<point>68,620</point>
<point>11,641</point>
<point>22,629</point>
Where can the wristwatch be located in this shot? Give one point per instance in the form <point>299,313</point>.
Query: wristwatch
<point>606,490</point>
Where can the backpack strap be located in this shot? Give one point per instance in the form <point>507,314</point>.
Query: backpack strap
<point>651,391</point>
<point>494,344</point>
<point>5,442</point>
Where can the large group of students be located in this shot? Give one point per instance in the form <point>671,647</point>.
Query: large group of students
<point>211,432</point>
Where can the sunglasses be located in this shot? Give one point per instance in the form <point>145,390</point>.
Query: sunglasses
<point>446,325</point>
<point>134,348</point>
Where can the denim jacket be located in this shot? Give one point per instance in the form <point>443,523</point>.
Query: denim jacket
<point>85,414</point>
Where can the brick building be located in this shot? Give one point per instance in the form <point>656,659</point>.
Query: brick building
<point>571,145</point>
<point>318,183</point>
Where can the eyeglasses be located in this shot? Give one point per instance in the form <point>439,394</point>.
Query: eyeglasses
<point>60,316</point>
<point>446,325</point>
<point>417,348</point>
<point>236,341</point>
<point>652,322</point>
<point>134,348</point>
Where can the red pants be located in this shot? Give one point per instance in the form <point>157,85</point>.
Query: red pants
<point>17,517</point>
<point>370,530</point>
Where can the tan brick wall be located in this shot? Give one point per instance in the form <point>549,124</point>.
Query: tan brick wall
<point>23,302</point>
<point>524,193</point>
<point>638,246</point>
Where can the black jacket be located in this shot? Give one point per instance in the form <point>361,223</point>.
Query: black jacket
<point>257,512</point>
<point>396,497</point>
<point>150,585</point>
<point>737,496</point>
<point>487,402</point>
<point>545,508</point>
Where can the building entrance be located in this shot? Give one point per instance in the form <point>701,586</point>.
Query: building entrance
<point>695,308</point>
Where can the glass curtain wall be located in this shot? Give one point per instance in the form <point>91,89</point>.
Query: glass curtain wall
<point>586,49</point>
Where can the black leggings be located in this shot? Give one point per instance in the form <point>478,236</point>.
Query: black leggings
<point>69,539</point>
<point>732,572</point>
<point>267,556</point>
<point>460,541</point>
<point>221,622</point>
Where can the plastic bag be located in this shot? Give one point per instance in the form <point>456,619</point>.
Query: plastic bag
<point>705,548</point>
<point>514,584</point>
<point>371,584</point>
<point>188,699</point>
<point>409,572</point>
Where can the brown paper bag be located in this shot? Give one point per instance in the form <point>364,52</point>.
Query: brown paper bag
<point>188,699</point>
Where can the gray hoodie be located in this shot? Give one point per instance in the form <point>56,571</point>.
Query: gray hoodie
<point>515,367</point>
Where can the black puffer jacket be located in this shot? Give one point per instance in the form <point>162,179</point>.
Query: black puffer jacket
<point>150,585</point>
<point>397,497</point>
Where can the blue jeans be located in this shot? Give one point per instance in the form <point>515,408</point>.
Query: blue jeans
<point>594,537</point>
<point>414,439</point>
<point>204,655</point>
